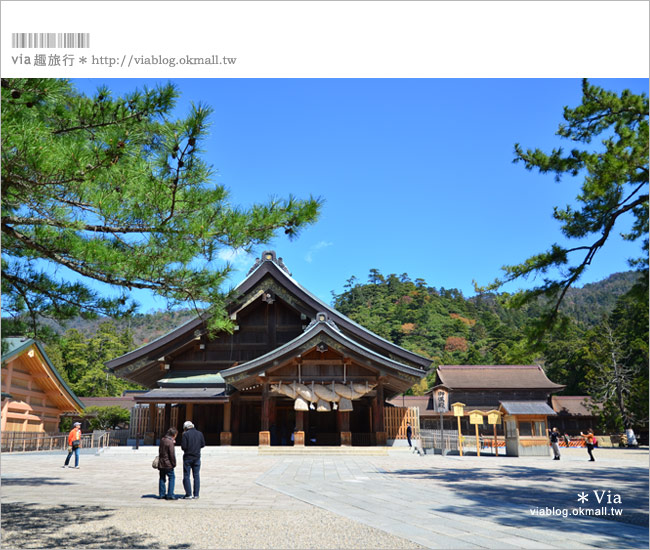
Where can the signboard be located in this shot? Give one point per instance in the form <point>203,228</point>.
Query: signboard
<point>475,417</point>
<point>494,417</point>
<point>458,412</point>
<point>458,409</point>
<point>440,400</point>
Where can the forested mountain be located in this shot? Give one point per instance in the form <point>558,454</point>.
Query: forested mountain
<point>144,327</point>
<point>444,325</point>
<point>590,303</point>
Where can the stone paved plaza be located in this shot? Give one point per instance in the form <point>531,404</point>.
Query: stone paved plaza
<point>314,500</point>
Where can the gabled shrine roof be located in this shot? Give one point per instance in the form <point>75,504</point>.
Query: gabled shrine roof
<point>276,268</point>
<point>38,361</point>
<point>483,377</point>
<point>319,330</point>
<point>271,266</point>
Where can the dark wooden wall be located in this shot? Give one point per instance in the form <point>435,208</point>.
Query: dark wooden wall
<point>262,328</point>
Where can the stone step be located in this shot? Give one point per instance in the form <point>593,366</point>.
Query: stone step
<point>217,450</point>
<point>308,451</point>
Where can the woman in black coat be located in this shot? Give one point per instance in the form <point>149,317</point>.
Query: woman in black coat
<point>166,464</point>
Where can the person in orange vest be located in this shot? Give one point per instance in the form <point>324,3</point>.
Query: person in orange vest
<point>590,441</point>
<point>74,443</point>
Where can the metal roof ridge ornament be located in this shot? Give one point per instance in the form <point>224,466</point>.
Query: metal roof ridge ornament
<point>269,256</point>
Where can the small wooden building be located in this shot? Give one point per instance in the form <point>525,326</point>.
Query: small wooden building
<point>34,396</point>
<point>256,386</point>
<point>526,427</point>
<point>575,414</point>
<point>520,392</point>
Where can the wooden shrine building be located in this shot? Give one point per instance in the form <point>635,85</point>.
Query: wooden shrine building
<point>294,371</point>
<point>34,395</point>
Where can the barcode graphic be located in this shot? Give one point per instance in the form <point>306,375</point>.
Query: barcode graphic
<point>50,40</point>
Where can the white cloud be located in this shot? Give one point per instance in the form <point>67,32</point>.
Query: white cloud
<point>310,254</point>
<point>238,258</point>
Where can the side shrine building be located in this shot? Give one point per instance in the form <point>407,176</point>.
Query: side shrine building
<point>294,370</point>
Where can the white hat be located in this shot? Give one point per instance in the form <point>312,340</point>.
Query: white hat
<point>187,425</point>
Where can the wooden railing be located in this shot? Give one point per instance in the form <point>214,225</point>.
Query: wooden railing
<point>21,442</point>
<point>396,419</point>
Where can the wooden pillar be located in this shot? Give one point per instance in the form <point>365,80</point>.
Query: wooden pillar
<point>168,418</point>
<point>299,433</point>
<point>265,435</point>
<point>150,434</point>
<point>344,428</point>
<point>226,434</point>
<point>379,415</point>
<point>152,415</point>
<point>235,413</point>
<point>189,411</point>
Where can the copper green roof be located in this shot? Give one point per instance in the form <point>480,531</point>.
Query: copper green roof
<point>191,379</point>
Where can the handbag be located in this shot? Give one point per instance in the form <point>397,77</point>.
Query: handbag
<point>155,463</point>
<point>76,443</point>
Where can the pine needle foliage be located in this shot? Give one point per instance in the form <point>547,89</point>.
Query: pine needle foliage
<point>116,190</point>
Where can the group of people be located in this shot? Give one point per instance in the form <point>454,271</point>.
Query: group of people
<point>555,435</point>
<point>192,442</point>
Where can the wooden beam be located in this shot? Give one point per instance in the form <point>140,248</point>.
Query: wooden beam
<point>324,362</point>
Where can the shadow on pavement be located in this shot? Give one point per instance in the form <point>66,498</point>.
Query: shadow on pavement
<point>508,495</point>
<point>34,481</point>
<point>29,526</point>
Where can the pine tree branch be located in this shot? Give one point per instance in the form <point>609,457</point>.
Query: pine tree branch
<point>99,124</point>
<point>78,267</point>
<point>73,225</point>
<point>592,251</point>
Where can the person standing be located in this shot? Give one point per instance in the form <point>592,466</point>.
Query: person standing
<point>554,436</point>
<point>74,444</point>
<point>590,439</point>
<point>166,464</point>
<point>409,433</point>
<point>192,442</point>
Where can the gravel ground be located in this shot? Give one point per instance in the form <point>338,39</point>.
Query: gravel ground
<point>27,526</point>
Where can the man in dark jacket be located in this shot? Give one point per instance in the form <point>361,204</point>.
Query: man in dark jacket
<point>409,433</point>
<point>191,443</point>
<point>166,464</point>
<point>554,436</point>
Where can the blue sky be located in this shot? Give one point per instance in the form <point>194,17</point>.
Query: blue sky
<point>416,174</point>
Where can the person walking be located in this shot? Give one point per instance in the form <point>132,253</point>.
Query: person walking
<point>192,442</point>
<point>554,436</point>
<point>590,440</point>
<point>166,465</point>
<point>74,444</point>
<point>409,433</point>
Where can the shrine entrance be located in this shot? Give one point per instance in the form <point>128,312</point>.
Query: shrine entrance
<point>322,429</point>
